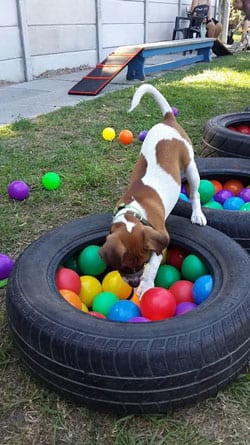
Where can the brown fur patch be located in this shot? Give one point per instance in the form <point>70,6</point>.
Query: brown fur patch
<point>173,157</point>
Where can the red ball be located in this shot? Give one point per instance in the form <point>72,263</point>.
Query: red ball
<point>68,279</point>
<point>158,304</point>
<point>243,129</point>
<point>182,291</point>
<point>175,256</point>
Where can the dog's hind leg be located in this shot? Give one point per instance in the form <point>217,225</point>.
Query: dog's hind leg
<point>193,179</point>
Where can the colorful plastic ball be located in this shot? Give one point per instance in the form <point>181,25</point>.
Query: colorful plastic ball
<point>126,137</point>
<point>51,181</point>
<point>84,308</point>
<point>90,262</point>
<point>68,279</point>
<point>71,263</point>
<point>113,282</point>
<point>243,129</point>
<point>233,203</point>
<point>123,311</point>
<point>192,268</point>
<point>245,194</point>
<point>184,197</point>
<point>233,185</point>
<point>103,302</point>
<point>222,195</point>
<point>71,297</point>
<point>18,190</point>
<point>135,299</point>
<point>108,134</point>
<point>213,205</point>
<point>3,283</point>
<point>166,276</point>
<point>90,287</point>
<point>142,135</point>
<point>176,255</point>
<point>182,291</point>
<point>203,287</point>
<point>97,315</point>
<point>185,307</point>
<point>230,127</point>
<point>206,190</point>
<point>184,189</point>
<point>217,185</point>
<point>157,304</point>
<point>6,266</point>
<point>175,111</point>
<point>245,207</point>
<point>139,320</point>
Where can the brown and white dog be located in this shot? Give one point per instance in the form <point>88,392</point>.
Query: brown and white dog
<point>138,233</point>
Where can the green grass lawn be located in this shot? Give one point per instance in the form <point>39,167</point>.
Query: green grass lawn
<point>94,172</point>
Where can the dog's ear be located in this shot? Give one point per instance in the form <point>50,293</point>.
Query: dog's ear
<point>112,251</point>
<point>154,240</point>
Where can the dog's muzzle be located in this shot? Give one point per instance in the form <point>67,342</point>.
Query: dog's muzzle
<point>132,277</point>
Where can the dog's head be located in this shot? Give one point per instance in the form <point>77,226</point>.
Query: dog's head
<point>128,251</point>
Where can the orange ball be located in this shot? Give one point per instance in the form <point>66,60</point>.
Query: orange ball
<point>234,185</point>
<point>135,299</point>
<point>126,137</point>
<point>71,297</point>
<point>217,185</point>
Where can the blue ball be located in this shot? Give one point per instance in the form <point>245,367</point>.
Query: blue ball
<point>123,310</point>
<point>233,203</point>
<point>184,197</point>
<point>202,288</point>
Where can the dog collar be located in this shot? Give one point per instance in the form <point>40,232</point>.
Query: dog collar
<point>124,208</point>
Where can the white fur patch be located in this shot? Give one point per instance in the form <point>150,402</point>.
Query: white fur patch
<point>156,177</point>
<point>120,218</point>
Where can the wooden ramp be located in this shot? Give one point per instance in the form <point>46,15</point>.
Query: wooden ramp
<point>105,71</point>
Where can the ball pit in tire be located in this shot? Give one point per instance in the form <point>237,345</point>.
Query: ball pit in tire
<point>130,367</point>
<point>234,222</point>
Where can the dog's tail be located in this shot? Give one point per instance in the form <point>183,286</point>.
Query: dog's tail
<point>159,98</point>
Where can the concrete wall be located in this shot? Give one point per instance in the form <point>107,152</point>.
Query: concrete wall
<point>41,35</point>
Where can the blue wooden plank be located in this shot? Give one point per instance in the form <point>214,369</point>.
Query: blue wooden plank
<point>175,49</point>
<point>173,64</point>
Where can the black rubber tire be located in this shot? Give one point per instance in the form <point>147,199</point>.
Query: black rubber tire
<point>218,140</point>
<point>233,223</point>
<point>126,367</point>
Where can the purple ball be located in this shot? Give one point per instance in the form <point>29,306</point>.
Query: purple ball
<point>222,195</point>
<point>175,111</point>
<point>6,266</point>
<point>184,307</point>
<point>138,320</point>
<point>184,189</point>
<point>245,194</point>
<point>18,190</point>
<point>142,135</point>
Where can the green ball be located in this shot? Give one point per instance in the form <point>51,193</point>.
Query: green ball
<point>213,205</point>
<point>103,302</point>
<point>90,262</point>
<point>192,268</point>
<point>166,276</point>
<point>71,263</point>
<point>206,190</point>
<point>245,207</point>
<point>3,283</point>
<point>51,181</point>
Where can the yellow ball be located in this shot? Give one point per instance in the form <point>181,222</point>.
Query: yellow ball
<point>90,287</point>
<point>108,134</point>
<point>84,308</point>
<point>113,282</point>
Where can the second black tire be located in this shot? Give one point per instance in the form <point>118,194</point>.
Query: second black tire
<point>219,140</point>
<point>235,224</point>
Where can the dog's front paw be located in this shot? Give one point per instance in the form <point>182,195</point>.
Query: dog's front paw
<point>198,218</point>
